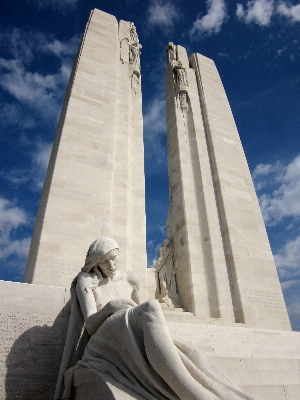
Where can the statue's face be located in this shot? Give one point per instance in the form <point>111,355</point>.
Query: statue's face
<point>108,264</point>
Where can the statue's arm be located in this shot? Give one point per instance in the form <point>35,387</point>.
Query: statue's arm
<point>84,290</point>
<point>135,283</point>
<point>93,318</point>
<point>94,321</point>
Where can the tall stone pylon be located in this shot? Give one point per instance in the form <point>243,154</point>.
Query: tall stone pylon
<point>225,265</point>
<point>95,180</point>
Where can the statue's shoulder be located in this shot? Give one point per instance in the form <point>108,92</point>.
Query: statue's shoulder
<point>132,278</point>
<point>84,278</point>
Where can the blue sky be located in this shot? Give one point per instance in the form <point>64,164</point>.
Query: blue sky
<point>255,45</point>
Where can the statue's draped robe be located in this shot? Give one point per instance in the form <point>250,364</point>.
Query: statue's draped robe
<point>116,354</point>
<point>167,272</point>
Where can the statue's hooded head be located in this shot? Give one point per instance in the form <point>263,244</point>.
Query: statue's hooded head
<point>166,242</point>
<point>97,250</point>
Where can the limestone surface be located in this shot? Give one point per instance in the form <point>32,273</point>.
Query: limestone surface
<point>95,180</point>
<point>34,322</point>
<point>225,265</point>
<point>130,346</point>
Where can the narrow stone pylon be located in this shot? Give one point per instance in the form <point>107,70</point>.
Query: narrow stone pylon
<point>95,180</point>
<point>225,264</point>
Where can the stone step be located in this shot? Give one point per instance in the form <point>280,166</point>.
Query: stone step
<point>219,351</point>
<point>248,371</point>
<point>187,317</point>
<point>255,347</point>
<point>264,362</point>
<point>273,392</point>
<point>226,342</point>
<point>230,340</point>
<point>255,363</point>
<point>264,377</point>
<point>176,316</point>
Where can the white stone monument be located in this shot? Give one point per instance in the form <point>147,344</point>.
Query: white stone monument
<point>226,276</point>
<point>94,187</point>
<point>225,265</point>
<point>232,305</point>
<point>95,180</point>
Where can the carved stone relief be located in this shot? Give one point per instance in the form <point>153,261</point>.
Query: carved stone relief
<point>180,76</point>
<point>135,82</point>
<point>124,51</point>
<point>171,53</point>
<point>166,266</point>
<point>130,50</point>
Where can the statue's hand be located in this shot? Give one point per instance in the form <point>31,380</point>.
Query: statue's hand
<point>120,304</point>
<point>94,321</point>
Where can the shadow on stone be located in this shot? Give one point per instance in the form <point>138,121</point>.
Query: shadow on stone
<point>34,359</point>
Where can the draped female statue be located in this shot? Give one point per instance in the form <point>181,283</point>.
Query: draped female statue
<point>126,350</point>
<point>166,266</point>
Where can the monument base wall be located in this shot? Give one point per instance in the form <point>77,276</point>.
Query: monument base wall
<point>33,325</point>
<point>34,321</point>
<point>264,363</point>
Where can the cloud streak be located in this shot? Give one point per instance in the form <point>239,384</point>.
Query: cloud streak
<point>211,22</point>
<point>291,12</point>
<point>40,92</point>
<point>33,177</point>
<point>262,11</point>
<point>162,15</point>
<point>283,201</point>
<point>280,201</point>
<point>12,217</point>
<point>288,261</point>
<point>258,11</point>
<point>154,129</point>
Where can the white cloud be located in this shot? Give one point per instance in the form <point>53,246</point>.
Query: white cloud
<point>40,160</point>
<point>288,259</point>
<point>33,177</point>
<point>263,174</point>
<point>16,247</point>
<point>152,252</point>
<point>163,230</point>
<point>294,314</point>
<point>290,283</point>
<point>13,115</point>
<point>289,11</point>
<point>154,118</point>
<point>258,11</point>
<point>284,200</point>
<point>24,45</point>
<point>40,92</point>
<point>154,129</point>
<point>212,21</point>
<point>62,49</point>
<point>11,218</point>
<point>262,11</point>
<point>261,170</point>
<point>162,14</point>
<point>42,154</point>
<point>294,309</point>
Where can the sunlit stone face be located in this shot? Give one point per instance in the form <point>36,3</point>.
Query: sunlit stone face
<point>108,264</point>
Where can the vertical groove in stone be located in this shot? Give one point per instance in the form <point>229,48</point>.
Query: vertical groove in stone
<point>230,264</point>
<point>200,203</point>
<point>177,229</point>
